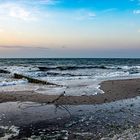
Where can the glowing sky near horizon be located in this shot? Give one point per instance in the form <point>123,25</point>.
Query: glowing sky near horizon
<point>69,28</point>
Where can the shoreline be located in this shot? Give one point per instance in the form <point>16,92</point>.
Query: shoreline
<point>53,116</point>
<point>114,90</point>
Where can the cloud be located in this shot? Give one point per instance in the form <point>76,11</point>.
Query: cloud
<point>26,10</point>
<point>110,10</point>
<point>136,1</point>
<point>85,15</point>
<point>20,13</point>
<point>23,47</point>
<point>49,2</point>
<point>37,2</point>
<point>136,12</point>
<point>91,15</point>
<point>15,11</point>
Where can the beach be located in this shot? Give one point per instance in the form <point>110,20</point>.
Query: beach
<point>111,115</point>
<point>69,99</point>
<point>114,90</point>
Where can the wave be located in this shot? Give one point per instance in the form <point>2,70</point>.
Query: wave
<point>37,69</point>
<point>131,69</point>
<point>72,67</point>
<point>55,71</point>
<point>11,83</point>
<point>4,71</point>
<point>64,74</point>
<point>21,69</point>
<point>117,67</point>
<point>53,74</point>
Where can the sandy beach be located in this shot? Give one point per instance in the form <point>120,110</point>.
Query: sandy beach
<point>111,115</point>
<point>114,90</point>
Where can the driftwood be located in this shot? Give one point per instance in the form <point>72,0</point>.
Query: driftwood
<point>33,80</point>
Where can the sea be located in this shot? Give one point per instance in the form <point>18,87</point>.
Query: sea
<point>76,76</point>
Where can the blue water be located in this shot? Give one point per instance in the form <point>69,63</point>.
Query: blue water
<point>70,61</point>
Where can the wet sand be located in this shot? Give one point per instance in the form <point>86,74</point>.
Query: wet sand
<point>74,117</point>
<point>73,122</point>
<point>114,90</point>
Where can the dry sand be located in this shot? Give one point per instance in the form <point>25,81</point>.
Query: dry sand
<point>114,90</point>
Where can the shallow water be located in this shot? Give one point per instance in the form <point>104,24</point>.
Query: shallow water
<point>83,121</point>
<point>77,76</point>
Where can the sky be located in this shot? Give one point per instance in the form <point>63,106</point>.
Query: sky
<point>70,28</point>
